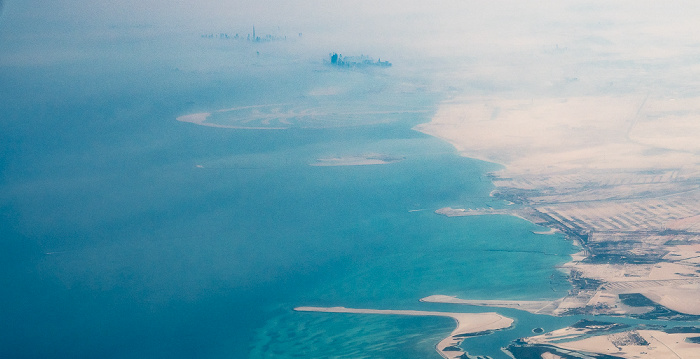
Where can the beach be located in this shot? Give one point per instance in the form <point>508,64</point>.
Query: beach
<point>612,144</point>
<point>620,186</point>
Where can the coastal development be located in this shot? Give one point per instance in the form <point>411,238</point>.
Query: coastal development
<point>339,60</point>
<point>618,176</point>
<point>354,179</point>
<point>606,340</point>
<point>250,37</point>
<point>624,187</point>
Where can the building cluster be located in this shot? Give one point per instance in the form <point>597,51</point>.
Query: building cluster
<point>249,37</point>
<point>337,59</point>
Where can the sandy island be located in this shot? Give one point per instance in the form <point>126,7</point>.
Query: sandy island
<point>361,160</point>
<point>467,323</point>
<point>202,117</point>
<point>280,117</point>
<point>547,232</point>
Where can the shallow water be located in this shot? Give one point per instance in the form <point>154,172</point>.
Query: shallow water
<point>129,234</point>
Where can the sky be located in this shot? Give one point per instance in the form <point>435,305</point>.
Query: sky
<point>440,27</point>
<point>541,48</point>
<point>443,28</point>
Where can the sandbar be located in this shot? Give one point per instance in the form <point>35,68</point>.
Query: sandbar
<point>548,232</point>
<point>532,306</point>
<point>201,118</point>
<point>361,160</point>
<point>467,323</point>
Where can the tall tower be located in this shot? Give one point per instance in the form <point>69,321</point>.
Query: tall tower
<point>254,33</point>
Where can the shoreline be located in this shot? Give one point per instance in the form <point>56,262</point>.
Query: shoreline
<point>633,212</point>
<point>468,324</point>
<point>614,339</point>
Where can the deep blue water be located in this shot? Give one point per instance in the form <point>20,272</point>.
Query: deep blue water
<point>128,234</point>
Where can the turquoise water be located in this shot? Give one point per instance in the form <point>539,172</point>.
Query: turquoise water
<point>129,234</point>
<point>491,257</point>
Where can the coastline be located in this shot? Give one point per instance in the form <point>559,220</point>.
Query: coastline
<point>561,201</point>
<point>540,193</point>
<point>634,214</point>
<point>615,340</point>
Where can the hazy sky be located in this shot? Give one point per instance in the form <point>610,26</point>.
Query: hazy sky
<point>450,23</point>
<point>542,41</point>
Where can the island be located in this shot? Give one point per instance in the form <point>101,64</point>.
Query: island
<point>357,160</point>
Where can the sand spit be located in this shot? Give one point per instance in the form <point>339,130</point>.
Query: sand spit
<point>196,118</point>
<point>465,212</point>
<point>547,232</point>
<point>467,324</point>
<point>679,295</point>
<point>536,307</point>
<point>462,212</point>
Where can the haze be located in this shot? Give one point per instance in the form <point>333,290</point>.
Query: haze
<point>168,189</point>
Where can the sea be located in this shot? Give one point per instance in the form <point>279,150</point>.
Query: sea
<point>129,234</point>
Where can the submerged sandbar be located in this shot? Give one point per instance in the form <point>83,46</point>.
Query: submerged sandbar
<point>467,323</point>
